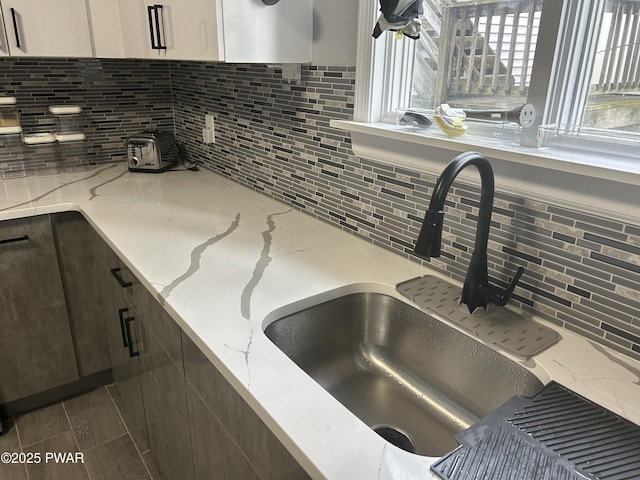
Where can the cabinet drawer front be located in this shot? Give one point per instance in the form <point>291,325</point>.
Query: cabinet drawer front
<point>25,238</point>
<point>116,276</point>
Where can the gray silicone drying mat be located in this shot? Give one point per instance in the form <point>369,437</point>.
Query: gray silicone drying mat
<point>554,435</point>
<point>498,326</point>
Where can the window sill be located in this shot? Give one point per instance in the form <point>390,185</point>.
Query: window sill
<point>585,180</point>
<point>619,169</point>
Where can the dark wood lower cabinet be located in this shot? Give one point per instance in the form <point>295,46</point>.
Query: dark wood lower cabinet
<point>76,243</point>
<point>215,455</point>
<point>127,390</point>
<point>124,345</point>
<point>167,414</point>
<point>36,345</point>
<point>149,385</point>
<point>221,421</point>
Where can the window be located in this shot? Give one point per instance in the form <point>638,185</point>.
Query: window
<point>576,61</point>
<point>475,55</point>
<point>614,90</point>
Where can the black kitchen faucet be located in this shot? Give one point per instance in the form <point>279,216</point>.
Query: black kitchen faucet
<point>477,291</point>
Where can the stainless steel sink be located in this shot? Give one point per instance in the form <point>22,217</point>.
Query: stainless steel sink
<point>410,377</point>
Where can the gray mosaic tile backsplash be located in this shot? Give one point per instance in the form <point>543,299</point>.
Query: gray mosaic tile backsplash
<point>118,97</point>
<point>582,271</point>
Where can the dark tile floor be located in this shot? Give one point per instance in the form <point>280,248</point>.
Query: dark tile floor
<point>82,438</point>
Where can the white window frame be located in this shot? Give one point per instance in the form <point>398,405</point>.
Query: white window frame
<point>589,181</point>
<point>576,49</point>
<point>380,84</point>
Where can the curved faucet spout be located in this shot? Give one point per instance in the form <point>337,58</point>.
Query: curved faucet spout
<point>477,291</point>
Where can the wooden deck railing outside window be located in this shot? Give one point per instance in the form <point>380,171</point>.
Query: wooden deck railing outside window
<point>487,48</point>
<point>618,64</point>
<point>475,51</point>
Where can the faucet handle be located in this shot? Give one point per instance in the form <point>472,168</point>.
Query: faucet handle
<point>494,295</point>
<point>503,297</point>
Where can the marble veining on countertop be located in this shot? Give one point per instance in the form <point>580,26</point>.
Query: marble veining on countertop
<point>222,259</point>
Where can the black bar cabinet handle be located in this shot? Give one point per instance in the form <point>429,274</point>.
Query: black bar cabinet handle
<point>150,11</point>
<point>16,239</point>
<point>15,27</point>
<point>158,14</point>
<point>125,338</point>
<point>116,274</point>
<point>127,326</point>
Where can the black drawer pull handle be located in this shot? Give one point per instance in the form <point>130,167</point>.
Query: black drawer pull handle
<point>151,11</point>
<point>154,13</point>
<point>15,28</point>
<point>159,14</point>
<point>125,340</point>
<point>116,274</point>
<point>127,326</point>
<point>16,239</point>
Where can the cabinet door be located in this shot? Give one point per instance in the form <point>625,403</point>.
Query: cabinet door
<point>4,44</point>
<point>76,244</point>
<point>167,413</point>
<point>136,30</point>
<point>215,454</point>
<point>106,28</point>
<point>246,445</point>
<point>255,32</point>
<point>191,30</point>
<point>36,346</point>
<point>173,29</point>
<point>55,28</point>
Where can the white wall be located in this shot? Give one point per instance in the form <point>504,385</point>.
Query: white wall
<point>334,32</point>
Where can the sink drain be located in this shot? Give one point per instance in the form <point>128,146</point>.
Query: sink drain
<point>395,437</point>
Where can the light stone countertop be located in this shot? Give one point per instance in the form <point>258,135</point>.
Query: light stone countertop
<point>225,260</point>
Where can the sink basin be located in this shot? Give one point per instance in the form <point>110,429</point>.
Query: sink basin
<point>413,379</point>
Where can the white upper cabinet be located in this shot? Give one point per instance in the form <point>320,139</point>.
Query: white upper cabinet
<point>106,28</point>
<point>4,45</point>
<point>174,29</point>
<point>190,30</point>
<point>239,31</point>
<point>51,28</point>
<point>218,30</point>
<point>256,32</point>
<point>136,29</point>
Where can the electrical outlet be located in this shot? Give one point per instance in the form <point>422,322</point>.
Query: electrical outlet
<point>209,132</point>
<point>209,122</point>
<point>208,136</point>
<point>291,72</point>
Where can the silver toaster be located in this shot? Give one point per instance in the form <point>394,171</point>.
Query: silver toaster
<point>152,151</point>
